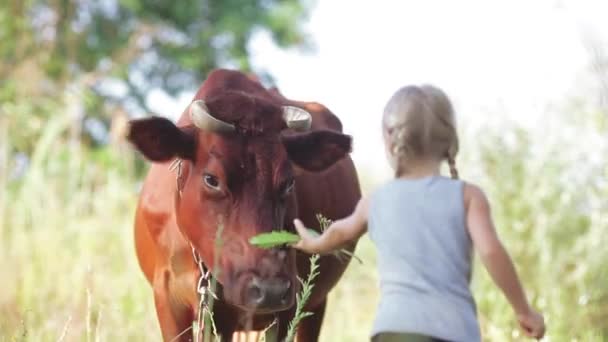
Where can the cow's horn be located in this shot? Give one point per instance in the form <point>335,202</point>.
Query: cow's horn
<point>297,118</point>
<point>202,119</point>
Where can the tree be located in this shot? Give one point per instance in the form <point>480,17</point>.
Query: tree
<point>111,53</point>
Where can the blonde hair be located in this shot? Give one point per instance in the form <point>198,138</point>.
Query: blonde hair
<point>420,123</point>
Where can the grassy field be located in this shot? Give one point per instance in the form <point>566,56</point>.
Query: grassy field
<point>68,270</point>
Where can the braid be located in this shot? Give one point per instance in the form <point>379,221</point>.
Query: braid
<point>400,148</point>
<point>452,164</point>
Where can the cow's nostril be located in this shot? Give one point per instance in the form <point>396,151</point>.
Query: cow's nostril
<point>268,293</point>
<point>285,295</point>
<point>255,294</point>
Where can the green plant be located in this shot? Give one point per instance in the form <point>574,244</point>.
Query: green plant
<point>274,239</point>
<point>307,286</point>
<point>282,237</point>
<point>302,297</point>
<point>341,254</point>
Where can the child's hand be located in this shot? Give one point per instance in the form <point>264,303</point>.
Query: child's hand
<point>308,240</point>
<point>532,323</point>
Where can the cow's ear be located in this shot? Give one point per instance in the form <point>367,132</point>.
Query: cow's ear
<point>158,139</point>
<point>317,150</point>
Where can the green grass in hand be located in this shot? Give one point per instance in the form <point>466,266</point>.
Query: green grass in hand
<point>281,237</point>
<point>274,239</point>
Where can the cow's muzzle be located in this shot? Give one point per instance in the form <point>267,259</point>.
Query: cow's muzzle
<point>273,294</point>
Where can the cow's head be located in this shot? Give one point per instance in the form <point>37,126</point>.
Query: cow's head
<point>241,155</point>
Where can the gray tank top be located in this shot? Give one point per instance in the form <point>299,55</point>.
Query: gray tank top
<point>424,259</point>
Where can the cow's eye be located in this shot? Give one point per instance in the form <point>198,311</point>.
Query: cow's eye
<point>287,188</point>
<point>211,181</point>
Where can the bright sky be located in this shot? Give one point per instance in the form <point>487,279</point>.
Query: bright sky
<point>508,56</point>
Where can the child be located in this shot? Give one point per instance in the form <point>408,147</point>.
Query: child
<point>425,227</point>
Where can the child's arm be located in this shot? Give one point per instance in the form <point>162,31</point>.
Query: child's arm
<point>497,260</point>
<point>337,234</point>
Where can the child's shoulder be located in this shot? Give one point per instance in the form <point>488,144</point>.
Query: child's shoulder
<point>409,187</point>
<point>469,189</point>
<point>474,193</point>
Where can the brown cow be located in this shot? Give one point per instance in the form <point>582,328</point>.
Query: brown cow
<point>251,161</point>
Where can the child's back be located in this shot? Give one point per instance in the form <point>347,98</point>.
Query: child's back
<point>424,258</point>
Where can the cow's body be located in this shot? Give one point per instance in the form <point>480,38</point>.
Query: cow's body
<point>165,255</point>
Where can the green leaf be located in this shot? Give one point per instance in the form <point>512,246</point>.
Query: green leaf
<point>274,239</point>
<point>282,237</point>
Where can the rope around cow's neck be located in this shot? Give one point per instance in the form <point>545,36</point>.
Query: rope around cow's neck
<point>204,290</point>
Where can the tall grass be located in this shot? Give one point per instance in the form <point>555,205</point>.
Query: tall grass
<point>67,265</point>
<point>550,208</point>
<point>68,270</point>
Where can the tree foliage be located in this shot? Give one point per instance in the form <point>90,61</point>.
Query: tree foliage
<point>108,55</point>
